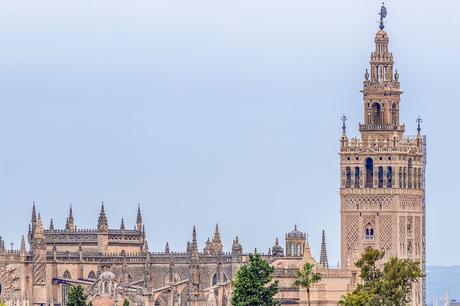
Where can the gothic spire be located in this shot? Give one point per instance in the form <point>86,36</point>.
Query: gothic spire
<point>39,232</point>
<point>34,214</point>
<point>139,218</point>
<point>194,244</point>
<point>23,245</point>
<point>323,256</point>
<point>167,247</point>
<point>51,225</point>
<point>102,224</point>
<point>216,238</point>
<point>122,225</point>
<point>217,242</point>
<point>71,214</point>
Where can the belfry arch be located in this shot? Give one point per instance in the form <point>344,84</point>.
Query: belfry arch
<point>369,163</point>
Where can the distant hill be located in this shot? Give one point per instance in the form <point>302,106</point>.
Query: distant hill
<point>439,279</point>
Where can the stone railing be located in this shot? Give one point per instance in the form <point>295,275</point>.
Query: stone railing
<point>375,127</point>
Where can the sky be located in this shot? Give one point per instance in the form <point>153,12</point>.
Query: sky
<point>210,112</point>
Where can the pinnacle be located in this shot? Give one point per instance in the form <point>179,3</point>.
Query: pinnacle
<point>23,244</point>
<point>139,215</point>
<point>323,256</point>
<point>167,247</point>
<point>102,224</point>
<point>34,213</point>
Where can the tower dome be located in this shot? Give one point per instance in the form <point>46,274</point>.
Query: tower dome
<point>295,233</point>
<point>295,242</point>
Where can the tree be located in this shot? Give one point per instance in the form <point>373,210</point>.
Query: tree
<point>388,287</point>
<point>126,302</point>
<point>76,296</point>
<point>254,285</point>
<point>306,278</point>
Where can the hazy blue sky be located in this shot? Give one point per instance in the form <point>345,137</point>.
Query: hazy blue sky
<point>213,111</point>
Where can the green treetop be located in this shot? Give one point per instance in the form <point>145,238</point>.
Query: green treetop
<point>391,286</point>
<point>306,278</point>
<point>253,284</point>
<point>76,296</point>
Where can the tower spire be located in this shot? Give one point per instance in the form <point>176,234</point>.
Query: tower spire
<point>167,247</point>
<point>70,224</point>
<point>34,216</point>
<point>39,232</point>
<point>217,242</point>
<point>23,245</point>
<point>194,244</point>
<point>216,238</point>
<point>323,256</point>
<point>51,224</point>
<point>102,224</point>
<point>139,218</point>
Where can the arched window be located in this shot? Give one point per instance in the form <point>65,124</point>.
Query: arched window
<point>389,177</point>
<point>92,275</point>
<point>369,172</point>
<point>292,249</point>
<point>215,279</point>
<point>67,275</point>
<point>409,248</point>
<point>394,114</point>
<point>420,178</point>
<point>225,277</point>
<point>130,278</point>
<point>106,287</point>
<point>410,172</point>
<point>348,177</point>
<point>376,114</point>
<point>369,232</point>
<point>357,177</point>
<point>404,177</point>
<point>380,177</point>
<point>409,227</point>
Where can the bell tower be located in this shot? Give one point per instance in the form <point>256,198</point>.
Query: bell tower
<point>382,186</point>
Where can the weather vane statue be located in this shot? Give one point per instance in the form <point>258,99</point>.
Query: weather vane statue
<point>383,15</point>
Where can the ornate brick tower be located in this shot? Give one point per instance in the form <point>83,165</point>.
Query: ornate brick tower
<point>382,190</point>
